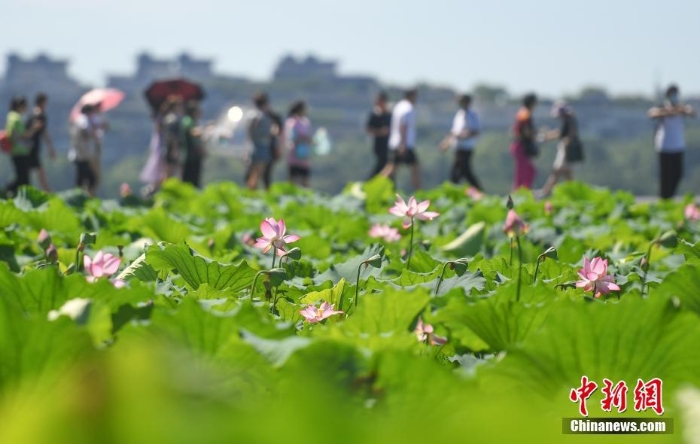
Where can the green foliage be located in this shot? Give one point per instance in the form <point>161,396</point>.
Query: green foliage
<point>184,351</point>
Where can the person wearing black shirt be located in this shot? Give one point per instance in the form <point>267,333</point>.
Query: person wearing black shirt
<point>569,149</point>
<point>276,145</point>
<point>378,126</point>
<point>38,118</point>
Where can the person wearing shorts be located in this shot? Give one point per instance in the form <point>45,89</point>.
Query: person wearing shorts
<point>402,139</point>
<point>261,131</point>
<point>568,132</point>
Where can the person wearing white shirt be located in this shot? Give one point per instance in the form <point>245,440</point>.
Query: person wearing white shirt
<point>402,138</point>
<point>463,137</point>
<point>669,140</point>
<point>83,150</point>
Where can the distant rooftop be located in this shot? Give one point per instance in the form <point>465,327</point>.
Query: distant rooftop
<point>291,68</point>
<point>29,75</point>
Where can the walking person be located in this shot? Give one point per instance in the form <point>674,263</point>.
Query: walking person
<point>276,146</point>
<point>378,126</point>
<point>191,141</point>
<point>172,133</point>
<point>299,136</point>
<point>39,115</point>
<point>261,131</point>
<point>99,126</point>
<point>20,137</point>
<point>569,148</point>
<point>154,172</point>
<point>463,137</point>
<point>669,140</point>
<point>402,139</point>
<point>523,148</point>
<point>85,148</point>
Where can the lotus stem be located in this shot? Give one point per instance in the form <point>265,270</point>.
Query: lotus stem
<point>79,258</point>
<point>440,279</point>
<point>646,271</point>
<point>255,281</point>
<point>410,249</point>
<point>510,260</point>
<point>520,268</point>
<point>537,268</point>
<point>357,288</point>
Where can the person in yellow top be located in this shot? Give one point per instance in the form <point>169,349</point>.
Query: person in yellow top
<point>20,137</point>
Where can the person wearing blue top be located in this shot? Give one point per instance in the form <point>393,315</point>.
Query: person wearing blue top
<point>463,137</point>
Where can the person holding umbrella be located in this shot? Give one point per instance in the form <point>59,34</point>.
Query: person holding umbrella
<point>155,170</point>
<point>99,100</point>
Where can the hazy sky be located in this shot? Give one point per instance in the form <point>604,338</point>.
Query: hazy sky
<point>550,46</point>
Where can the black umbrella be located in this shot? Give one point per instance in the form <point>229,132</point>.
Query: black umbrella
<point>161,90</point>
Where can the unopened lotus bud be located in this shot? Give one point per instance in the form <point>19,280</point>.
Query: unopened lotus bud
<point>44,239</point>
<point>52,254</point>
<point>644,264</point>
<point>669,239</point>
<point>509,203</point>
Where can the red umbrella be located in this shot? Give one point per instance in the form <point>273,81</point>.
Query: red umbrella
<point>108,98</point>
<point>161,90</point>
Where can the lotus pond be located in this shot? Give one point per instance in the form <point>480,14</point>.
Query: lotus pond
<point>231,316</point>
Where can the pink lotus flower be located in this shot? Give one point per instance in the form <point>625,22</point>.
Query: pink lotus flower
<point>514,225</point>
<point>474,194</point>
<point>104,265</point>
<point>125,190</point>
<point>692,212</point>
<point>426,333</point>
<point>317,314</point>
<point>412,210</point>
<point>274,236</point>
<point>595,278</point>
<point>385,231</point>
<point>548,208</point>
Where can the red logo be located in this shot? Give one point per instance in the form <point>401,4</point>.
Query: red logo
<point>614,396</point>
<point>646,395</point>
<point>582,393</point>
